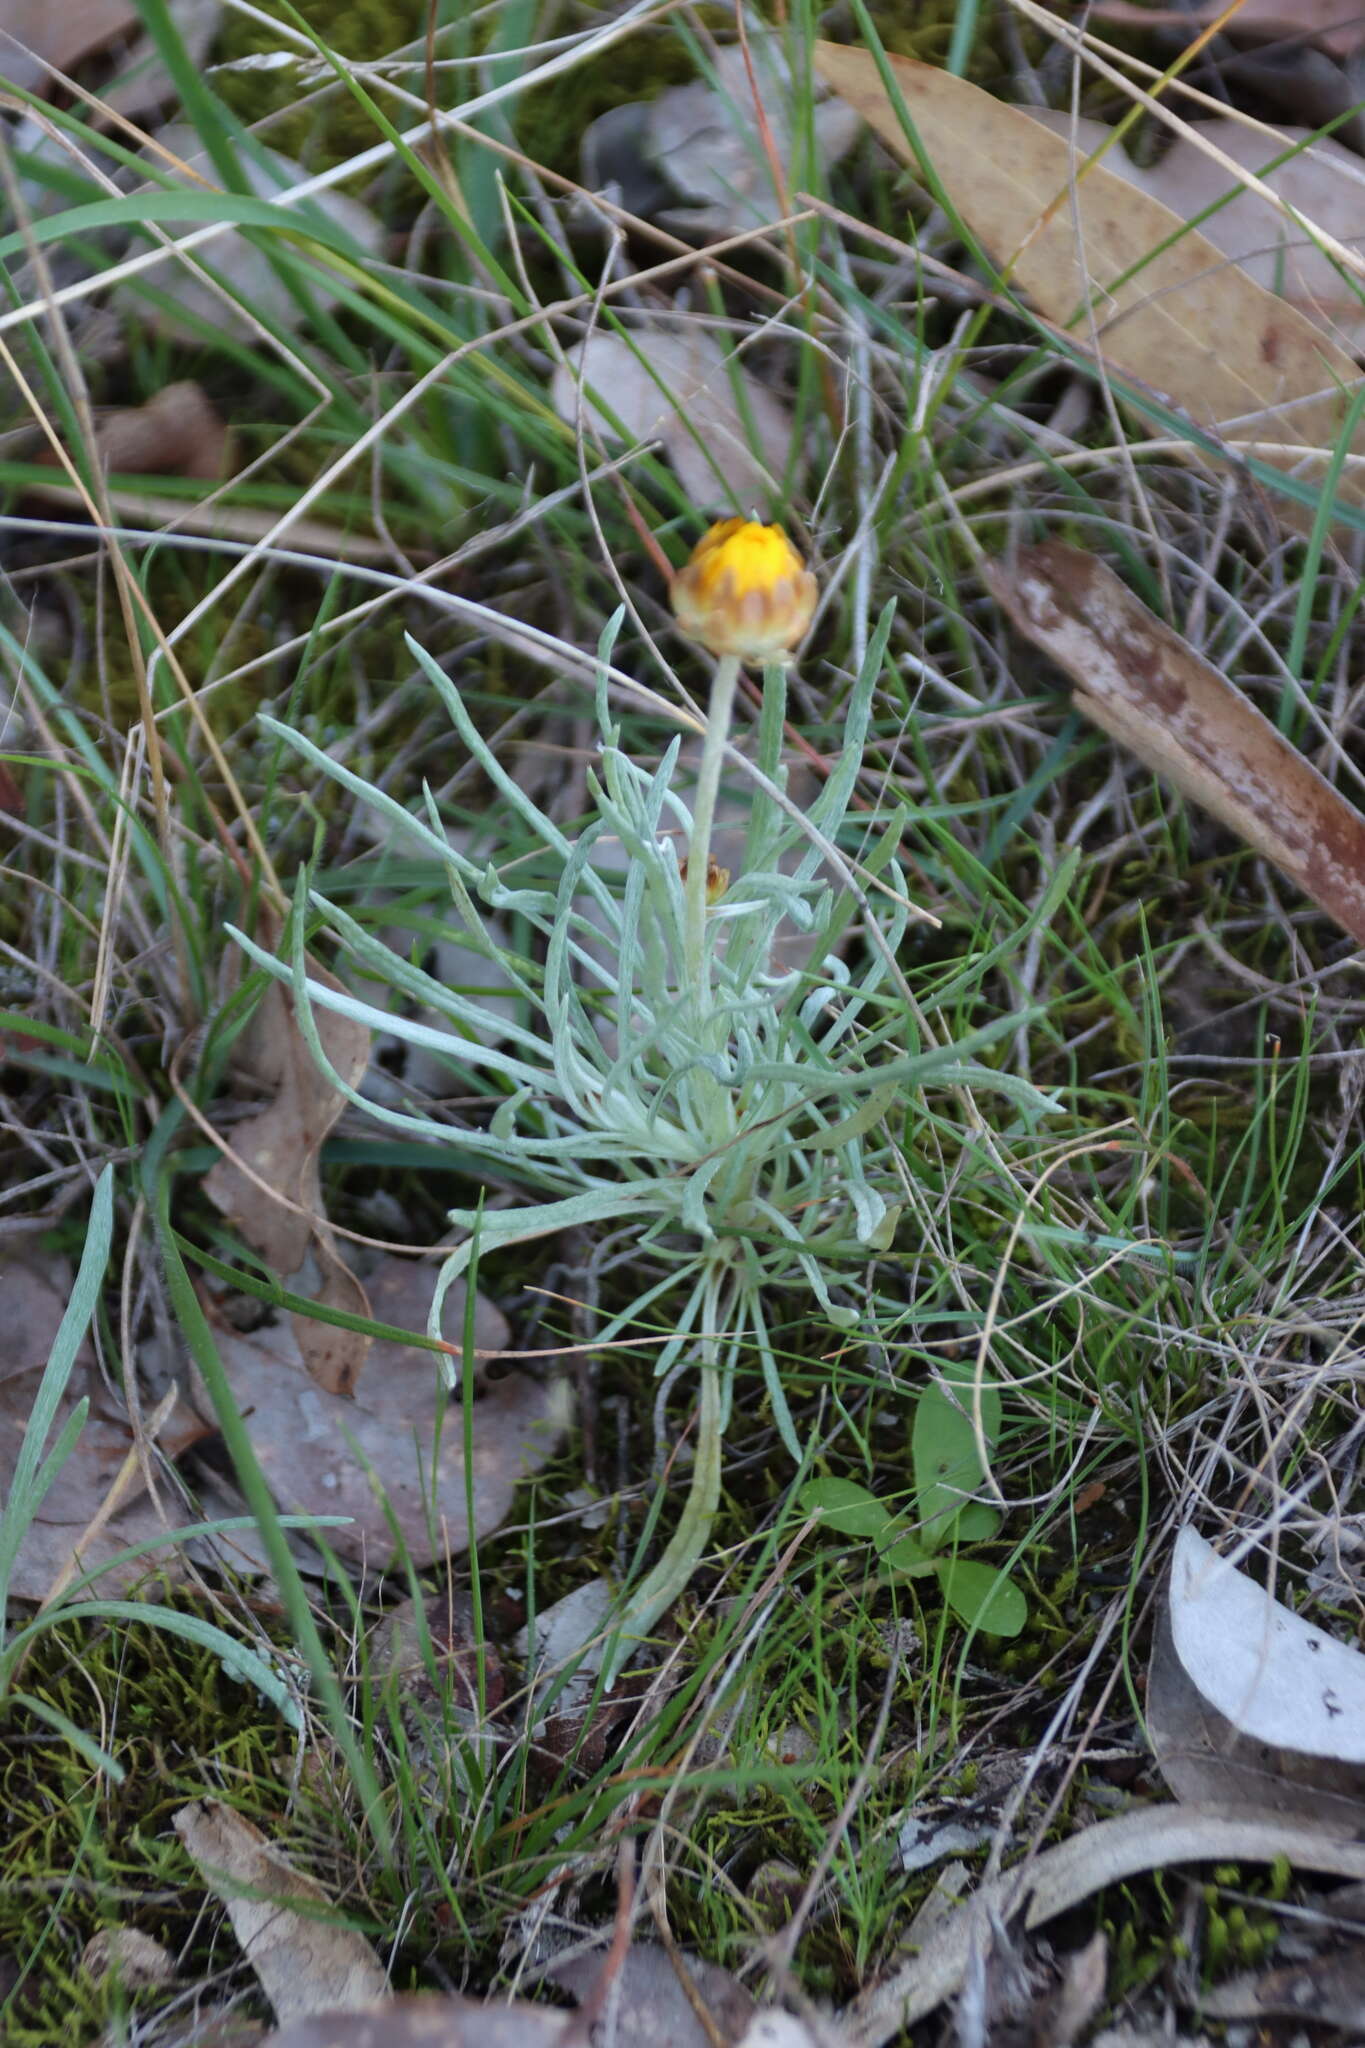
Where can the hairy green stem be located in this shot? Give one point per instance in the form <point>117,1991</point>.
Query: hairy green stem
<point>703,817</point>
<point>672,1574</point>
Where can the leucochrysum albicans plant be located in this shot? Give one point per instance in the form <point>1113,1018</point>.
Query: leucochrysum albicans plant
<point>667,1074</point>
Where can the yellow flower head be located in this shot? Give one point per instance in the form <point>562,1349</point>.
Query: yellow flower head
<point>744,591</point>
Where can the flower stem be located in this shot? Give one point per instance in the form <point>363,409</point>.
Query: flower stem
<point>671,1575</point>
<point>703,817</point>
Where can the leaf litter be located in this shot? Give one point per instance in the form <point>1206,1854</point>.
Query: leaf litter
<point>1336,26</point>
<point>269,1183</point>
<point>391,1456</point>
<point>1321,180</point>
<point>305,1961</point>
<point>97,1505</point>
<point>677,384</point>
<point>38,37</point>
<point>1170,312</point>
<point>1248,1700</point>
<point>235,282</point>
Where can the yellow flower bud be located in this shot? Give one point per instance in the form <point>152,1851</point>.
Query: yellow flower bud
<point>745,591</point>
<point>717,877</point>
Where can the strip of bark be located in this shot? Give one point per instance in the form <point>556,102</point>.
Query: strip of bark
<point>1144,685</point>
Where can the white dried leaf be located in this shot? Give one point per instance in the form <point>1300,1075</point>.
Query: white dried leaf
<point>305,1963</point>
<point>678,389</point>
<point>1274,1676</point>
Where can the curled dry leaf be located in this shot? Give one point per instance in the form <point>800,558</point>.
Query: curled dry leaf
<point>269,1185</point>
<point>130,1957</point>
<point>178,432</point>
<point>379,1455</point>
<point>435,1675</point>
<point>1144,685</point>
<point>1170,312</point>
<point>144,85</point>
<point>678,389</point>
<point>695,157</point>
<point>1248,1701</point>
<point>306,1963</point>
<point>563,1665</point>
<point>1321,180</point>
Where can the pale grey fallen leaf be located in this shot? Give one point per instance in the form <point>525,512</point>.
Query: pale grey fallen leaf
<point>1322,181</point>
<point>422,2021</point>
<point>571,1639</point>
<point>253,287</point>
<point>1263,1667</point>
<point>923,1842</point>
<point>305,1963</point>
<point>1248,1700</point>
<point>569,1632</point>
<point>143,84</point>
<point>1203,1758</point>
<point>780,2030</point>
<point>1078,1997</point>
<point>1155,2035</point>
<point>127,1955</point>
<point>675,385</point>
<point>652,2009</point>
<point>701,144</point>
<point>377,1454</point>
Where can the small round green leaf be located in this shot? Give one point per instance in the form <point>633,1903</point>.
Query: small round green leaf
<point>976,1524</point>
<point>983,1597</point>
<point>908,1557</point>
<point>845,1507</point>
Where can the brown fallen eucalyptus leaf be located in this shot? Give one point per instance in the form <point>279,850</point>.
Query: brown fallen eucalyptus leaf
<point>378,1456</point>
<point>1060,1878</point>
<point>305,1962</point>
<point>1170,312</point>
<point>1247,1700</point>
<point>268,1184</point>
<point>1144,685</point>
<point>38,37</point>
